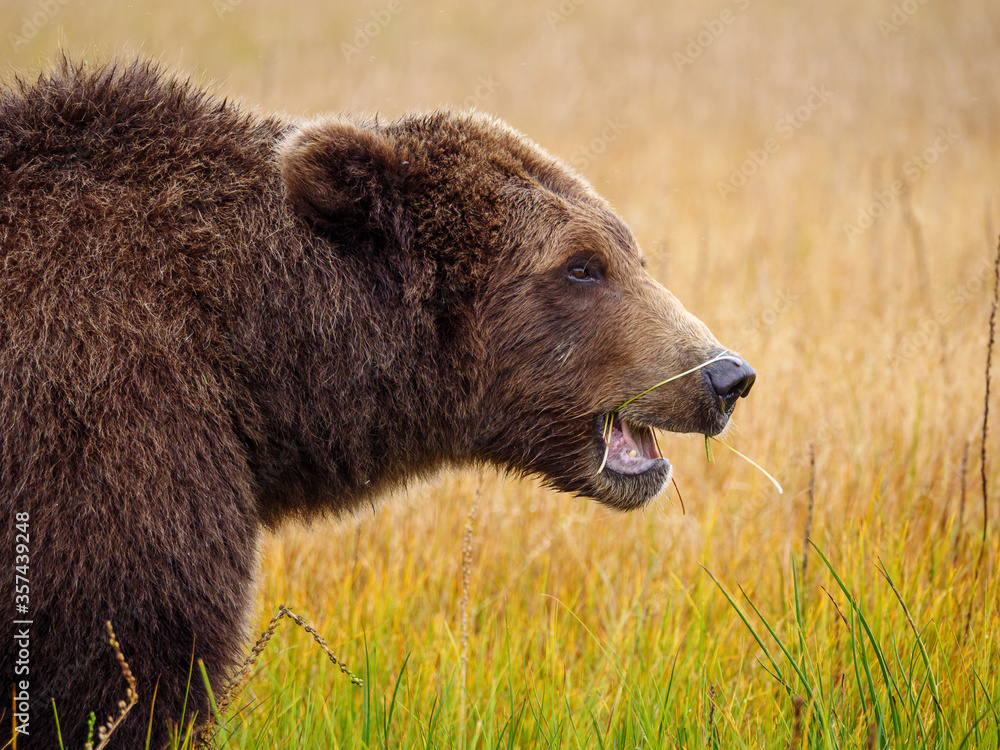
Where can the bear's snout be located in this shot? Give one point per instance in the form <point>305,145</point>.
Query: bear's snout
<point>731,379</point>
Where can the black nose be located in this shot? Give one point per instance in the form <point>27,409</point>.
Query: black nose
<point>731,378</point>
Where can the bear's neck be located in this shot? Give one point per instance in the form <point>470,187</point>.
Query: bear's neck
<point>353,384</point>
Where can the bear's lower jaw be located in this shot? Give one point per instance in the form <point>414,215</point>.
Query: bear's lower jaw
<point>631,491</point>
<point>630,468</point>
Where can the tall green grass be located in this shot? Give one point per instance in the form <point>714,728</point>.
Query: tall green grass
<point>855,660</point>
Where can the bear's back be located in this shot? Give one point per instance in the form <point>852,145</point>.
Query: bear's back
<point>127,206</point>
<point>122,153</point>
<point>126,201</point>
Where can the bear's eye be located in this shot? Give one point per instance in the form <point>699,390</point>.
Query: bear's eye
<point>584,269</point>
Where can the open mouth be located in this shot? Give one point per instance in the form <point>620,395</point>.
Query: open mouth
<point>628,447</point>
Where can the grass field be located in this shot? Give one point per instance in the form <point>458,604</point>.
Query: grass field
<point>816,181</point>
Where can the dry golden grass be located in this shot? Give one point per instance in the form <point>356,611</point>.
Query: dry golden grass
<point>868,344</point>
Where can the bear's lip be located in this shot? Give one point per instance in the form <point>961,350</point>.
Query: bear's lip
<point>628,447</point>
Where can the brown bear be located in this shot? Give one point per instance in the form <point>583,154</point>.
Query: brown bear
<point>211,321</point>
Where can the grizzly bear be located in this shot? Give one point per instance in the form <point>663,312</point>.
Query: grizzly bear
<point>211,321</point>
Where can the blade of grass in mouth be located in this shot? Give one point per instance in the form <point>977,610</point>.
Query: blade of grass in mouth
<point>749,461</point>
<point>610,416</point>
<point>607,440</point>
<point>681,375</point>
<point>609,423</point>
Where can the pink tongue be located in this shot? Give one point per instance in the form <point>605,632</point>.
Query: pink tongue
<point>628,453</point>
<point>625,441</point>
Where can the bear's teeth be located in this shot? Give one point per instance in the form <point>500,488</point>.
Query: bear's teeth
<point>632,453</point>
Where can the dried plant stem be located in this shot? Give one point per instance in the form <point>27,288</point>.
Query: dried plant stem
<point>464,604</point>
<point>679,496</point>
<point>872,735</point>
<point>796,741</point>
<point>466,577</point>
<point>812,504</point>
<point>711,716</point>
<point>986,404</point>
<point>243,673</point>
<point>105,731</point>
<point>986,424</point>
<point>839,610</point>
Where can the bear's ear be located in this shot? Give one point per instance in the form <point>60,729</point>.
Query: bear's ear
<point>341,175</point>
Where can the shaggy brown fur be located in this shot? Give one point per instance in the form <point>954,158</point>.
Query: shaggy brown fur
<point>211,321</point>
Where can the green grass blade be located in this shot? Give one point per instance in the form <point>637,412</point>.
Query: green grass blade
<point>187,689</point>
<point>676,377</point>
<point>392,703</point>
<point>208,689</point>
<point>58,729</point>
<point>788,655</point>
<point>989,702</point>
<point>750,627</point>
<point>920,642</point>
<point>891,686</point>
<point>366,722</point>
<point>666,695</point>
<point>598,734</point>
<point>753,463</point>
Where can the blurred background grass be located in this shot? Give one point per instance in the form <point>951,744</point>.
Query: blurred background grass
<point>753,146</point>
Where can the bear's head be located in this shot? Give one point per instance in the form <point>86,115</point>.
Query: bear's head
<point>545,321</point>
